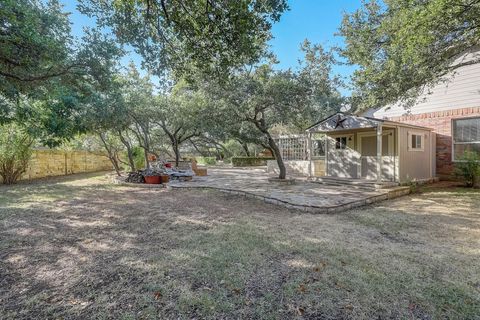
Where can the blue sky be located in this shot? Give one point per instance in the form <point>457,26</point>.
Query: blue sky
<point>315,20</point>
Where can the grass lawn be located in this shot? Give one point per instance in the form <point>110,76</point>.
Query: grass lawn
<point>79,247</point>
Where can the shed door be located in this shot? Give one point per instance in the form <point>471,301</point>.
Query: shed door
<point>342,157</point>
<point>368,147</point>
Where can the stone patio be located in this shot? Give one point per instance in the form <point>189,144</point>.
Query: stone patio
<point>303,195</point>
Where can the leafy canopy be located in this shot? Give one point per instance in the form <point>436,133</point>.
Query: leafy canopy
<point>401,46</point>
<point>47,77</point>
<point>186,35</point>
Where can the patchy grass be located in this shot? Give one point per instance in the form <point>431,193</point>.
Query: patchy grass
<point>79,247</point>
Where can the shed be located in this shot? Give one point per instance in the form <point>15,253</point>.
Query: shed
<point>374,149</point>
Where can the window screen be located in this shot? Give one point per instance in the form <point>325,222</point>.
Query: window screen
<point>466,136</point>
<point>416,141</point>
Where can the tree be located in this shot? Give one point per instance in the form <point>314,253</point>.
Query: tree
<point>178,35</point>
<point>108,117</point>
<point>46,75</point>
<point>141,109</point>
<point>111,145</point>
<point>36,47</point>
<point>403,46</point>
<point>183,114</point>
<point>34,44</point>
<point>265,98</point>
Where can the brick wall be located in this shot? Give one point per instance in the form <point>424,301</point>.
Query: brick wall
<point>47,163</point>
<point>441,123</point>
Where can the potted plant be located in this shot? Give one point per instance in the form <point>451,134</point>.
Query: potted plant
<point>165,178</point>
<point>152,176</point>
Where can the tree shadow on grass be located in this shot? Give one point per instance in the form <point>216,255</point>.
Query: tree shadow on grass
<point>97,251</point>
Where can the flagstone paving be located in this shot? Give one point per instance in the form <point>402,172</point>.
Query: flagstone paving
<point>303,195</point>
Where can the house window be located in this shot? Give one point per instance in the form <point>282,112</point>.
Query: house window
<point>415,142</point>
<point>466,136</point>
<point>341,143</point>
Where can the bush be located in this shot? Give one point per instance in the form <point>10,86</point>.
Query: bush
<point>138,159</point>
<point>206,160</point>
<point>249,161</point>
<point>15,153</point>
<point>468,168</point>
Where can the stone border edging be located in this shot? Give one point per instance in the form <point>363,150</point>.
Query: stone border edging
<point>391,194</point>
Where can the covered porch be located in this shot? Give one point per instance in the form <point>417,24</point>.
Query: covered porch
<point>368,150</point>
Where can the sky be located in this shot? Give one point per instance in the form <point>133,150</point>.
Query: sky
<point>315,20</point>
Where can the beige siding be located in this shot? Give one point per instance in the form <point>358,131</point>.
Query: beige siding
<point>415,165</point>
<point>342,163</point>
<point>351,163</point>
<point>460,89</point>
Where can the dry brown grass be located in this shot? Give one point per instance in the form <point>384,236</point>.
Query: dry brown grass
<point>82,248</point>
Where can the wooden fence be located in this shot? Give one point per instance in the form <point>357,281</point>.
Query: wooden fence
<point>48,163</point>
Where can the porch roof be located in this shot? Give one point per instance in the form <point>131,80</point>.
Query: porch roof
<point>342,122</point>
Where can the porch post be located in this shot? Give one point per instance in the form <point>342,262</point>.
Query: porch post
<point>309,154</point>
<point>379,153</point>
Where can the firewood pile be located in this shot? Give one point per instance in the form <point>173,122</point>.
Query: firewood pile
<point>135,177</point>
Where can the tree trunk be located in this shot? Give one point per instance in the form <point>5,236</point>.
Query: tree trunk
<point>260,124</point>
<point>111,155</point>
<point>147,163</point>
<point>126,143</point>
<point>245,147</point>
<point>116,166</point>
<point>202,153</point>
<point>176,151</point>
<point>278,157</point>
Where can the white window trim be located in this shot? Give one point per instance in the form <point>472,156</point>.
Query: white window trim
<point>453,138</point>
<point>409,142</point>
<point>335,143</point>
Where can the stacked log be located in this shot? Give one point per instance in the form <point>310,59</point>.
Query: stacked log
<point>135,177</point>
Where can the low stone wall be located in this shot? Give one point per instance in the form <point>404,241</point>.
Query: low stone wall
<point>299,167</point>
<point>48,163</point>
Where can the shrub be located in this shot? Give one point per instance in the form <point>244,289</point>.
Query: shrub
<point>468,168</point>
<point>206,160</point>
<point>249,161</point>
<point>138,159</point>
<point>15,153</point>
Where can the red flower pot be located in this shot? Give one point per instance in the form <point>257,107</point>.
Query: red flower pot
<point>152,179</point>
